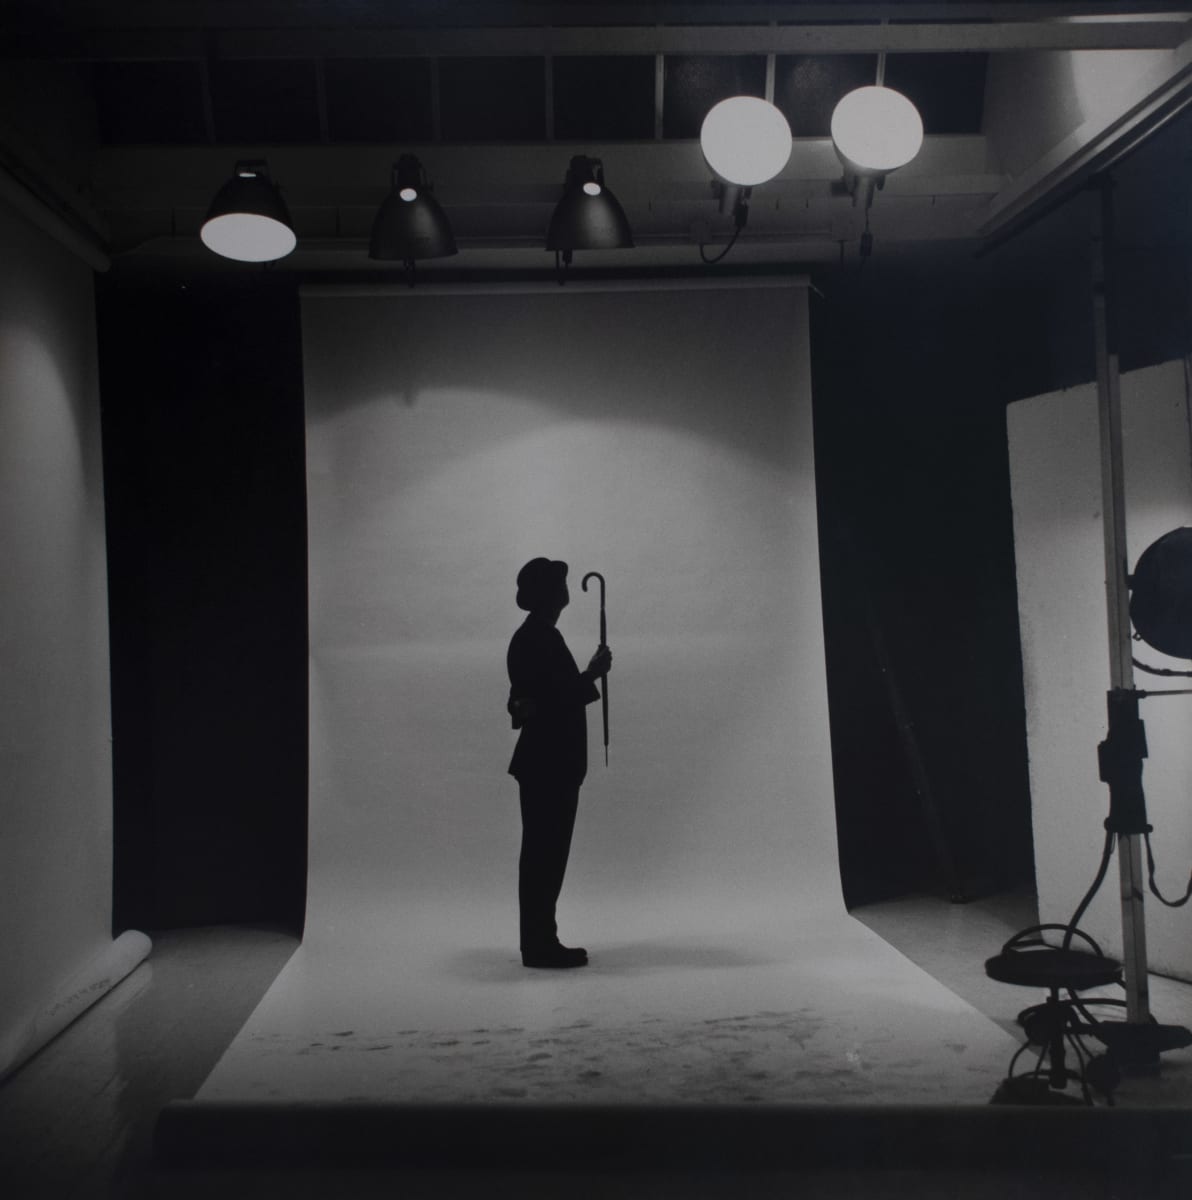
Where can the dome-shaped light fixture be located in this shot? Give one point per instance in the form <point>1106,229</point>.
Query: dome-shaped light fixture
<point>248,219</point>
<point>410,224</point>
<point>876,130</point>
<point>745,140</point>
<point>588,217</point>
<point>1161,594</point>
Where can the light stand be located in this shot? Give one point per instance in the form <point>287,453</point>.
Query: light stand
<point>1120,756</point>
<point>1133,1045</point>
<point>1121,663</point>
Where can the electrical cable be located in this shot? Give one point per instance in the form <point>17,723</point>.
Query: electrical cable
<point>1106,855</point>
<point>723,252</point>
<point>1160,670</point>
<point>1150,862</point>
<point>865,248</point>
<point>1188,401</point>
<point>1081,1003</point>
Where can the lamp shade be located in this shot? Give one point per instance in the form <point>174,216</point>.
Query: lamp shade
<point>248,219</point>
<point>1161,594</point>
<point>411,224</point>
<point>876,129</point>
<point>589,216</point>
<point>745,140</point>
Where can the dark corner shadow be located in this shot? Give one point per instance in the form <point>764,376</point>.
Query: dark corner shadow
<point>486,965</point>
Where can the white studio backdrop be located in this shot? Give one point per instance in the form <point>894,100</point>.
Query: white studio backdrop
<point>1059,553</point>
<point>661,436</point>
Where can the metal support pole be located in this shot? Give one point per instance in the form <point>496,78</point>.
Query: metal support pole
<point>1113,516</point>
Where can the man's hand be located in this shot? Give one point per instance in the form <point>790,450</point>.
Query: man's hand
<point>521,711</point>
<point>601,663</point>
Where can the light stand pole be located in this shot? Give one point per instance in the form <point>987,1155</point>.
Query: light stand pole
<point>1121,664</point>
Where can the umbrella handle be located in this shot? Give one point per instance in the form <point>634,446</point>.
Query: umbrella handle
<point>603,623</point>
<point>603,645</point>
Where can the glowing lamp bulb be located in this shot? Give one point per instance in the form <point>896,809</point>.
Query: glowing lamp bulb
<point>877,129</point>
<point>745,140</point>
<point>248,237</point>
<point>591,188</point>
<point>408,194</point>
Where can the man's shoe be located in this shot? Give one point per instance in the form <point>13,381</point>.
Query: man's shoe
<point>555,956</point>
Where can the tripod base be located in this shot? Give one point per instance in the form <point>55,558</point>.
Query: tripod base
<point>1136,1048</point>
<point>1132,1048</point>
<point>1033,1089</point>
<point>1055,1026</point>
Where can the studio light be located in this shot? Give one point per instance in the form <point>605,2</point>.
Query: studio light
<point>876,130</point>
<point>1161,596</point>
<point>588,216</point>
<point>248,219</point>
<point>410,223</point>
<point>745,140</point>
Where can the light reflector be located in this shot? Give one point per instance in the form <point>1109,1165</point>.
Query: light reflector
<point>248,220</point>
<point>876,129</point>
<point>410,223</point>
<point>248,237</point>
<point>745,140</point>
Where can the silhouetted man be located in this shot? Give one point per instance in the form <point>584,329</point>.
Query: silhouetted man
<point>547,697</point>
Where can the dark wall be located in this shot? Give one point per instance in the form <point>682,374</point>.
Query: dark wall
<point>925,686</point>
<point>915,358</point>
<point>203,430</point>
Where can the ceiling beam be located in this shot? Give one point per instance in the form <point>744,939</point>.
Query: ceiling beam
<point>128,176</point>
<point>1119,33</point>
<point>490,14</point>
<point>502,196</point>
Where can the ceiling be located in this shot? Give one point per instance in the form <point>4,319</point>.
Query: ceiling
<point>126,117</point>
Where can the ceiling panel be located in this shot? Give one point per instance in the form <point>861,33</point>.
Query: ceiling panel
<point>492,99</point>
<point>485,99</point>
<point>807,87</point>
<point>603,97</point>
<point>265,101</point>
<point>694,83</point>
<point>379,99</point>
<point>948,89</point>
<point>149,102</point>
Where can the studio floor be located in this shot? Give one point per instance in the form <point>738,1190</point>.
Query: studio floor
<point>77,1120</point>
<point>698,1001</point>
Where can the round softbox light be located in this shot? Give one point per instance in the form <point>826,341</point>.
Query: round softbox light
<point>1161,594</point>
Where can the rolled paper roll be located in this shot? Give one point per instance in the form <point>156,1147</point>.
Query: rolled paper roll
<point>89,983</point>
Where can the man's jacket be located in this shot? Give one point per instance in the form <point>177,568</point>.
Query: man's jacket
<point>553,743</point>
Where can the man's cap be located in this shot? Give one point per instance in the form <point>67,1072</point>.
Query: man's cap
<point>539,580</point>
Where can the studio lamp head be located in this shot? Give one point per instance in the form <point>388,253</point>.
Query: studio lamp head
<point>410,224</point>
<point>588,216</point>
<point>875,130</point>
<point>1161,594</point>
<point>745,141</point>
<point>248,220</point>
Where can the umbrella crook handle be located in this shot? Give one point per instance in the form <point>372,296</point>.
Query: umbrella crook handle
<point>603,646</point>
<point>584,585</point>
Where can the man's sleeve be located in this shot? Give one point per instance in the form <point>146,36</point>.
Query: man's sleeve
<point>543,670</point>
